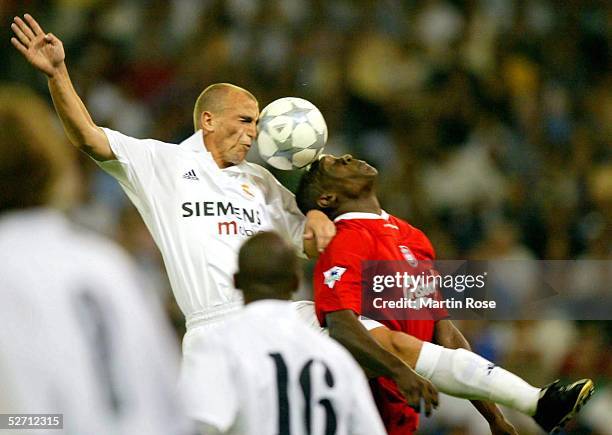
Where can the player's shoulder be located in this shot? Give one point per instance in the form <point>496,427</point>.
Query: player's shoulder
<point>271,187</point>
<point>353,242</point>
<point>408,229</point>
<point>40,232</point>
<point>117,136</point>
<point>353,227</point>
<point>56,228</point>
<point>354,232</point>
<point>237,326</point>
<point>259,171</point>
<point>414,235</point>
<point>350,237</point>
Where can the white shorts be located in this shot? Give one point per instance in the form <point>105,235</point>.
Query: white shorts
<point>195,336</point>
<point>195,339</point>
<point>196,333</point>
<point>306,311</point>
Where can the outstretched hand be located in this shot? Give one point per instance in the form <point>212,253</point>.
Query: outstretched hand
<point>416,388</point>
<point>318,228</point>
<point>44,51</point>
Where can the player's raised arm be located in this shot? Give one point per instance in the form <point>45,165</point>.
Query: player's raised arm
<point>46,53</point>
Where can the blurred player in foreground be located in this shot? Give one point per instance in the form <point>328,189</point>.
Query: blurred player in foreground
<point>344,188</point>
<point>200,199</point>
<point>77,334</point>
<point>267,371</point>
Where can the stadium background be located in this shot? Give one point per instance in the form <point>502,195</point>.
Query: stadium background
<point>490,122</point>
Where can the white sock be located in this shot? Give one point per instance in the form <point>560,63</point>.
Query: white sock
<point>464,374</point>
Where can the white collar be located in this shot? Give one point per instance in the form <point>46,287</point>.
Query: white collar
<point>195,143</point>
<point>245,168</point>
<point>360,215</point>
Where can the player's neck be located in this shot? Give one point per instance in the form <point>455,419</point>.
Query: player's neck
<point>214,152</point>
<point>222,164</point>
<point>360,205</point>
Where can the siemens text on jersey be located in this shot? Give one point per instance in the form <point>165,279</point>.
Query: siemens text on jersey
<point>245,221</point>
<point>219,208</point>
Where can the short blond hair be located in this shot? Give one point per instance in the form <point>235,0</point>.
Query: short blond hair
<point>213,99</point>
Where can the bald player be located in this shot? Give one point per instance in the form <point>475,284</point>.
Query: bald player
<point>200,199</point>
<point>270,373</point>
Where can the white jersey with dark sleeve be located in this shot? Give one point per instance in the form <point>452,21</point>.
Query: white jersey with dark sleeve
<point>265,372</point>
<point>199,215</point>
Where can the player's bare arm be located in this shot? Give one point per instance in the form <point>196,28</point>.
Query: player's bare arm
<point>404,346</point>
<point>45,52</point>
<point>446,334</point>
<point>376,361</point>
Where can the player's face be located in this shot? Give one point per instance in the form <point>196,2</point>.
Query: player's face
<point>345,167</point>
<point>346,175</point>
<point>235,128</point>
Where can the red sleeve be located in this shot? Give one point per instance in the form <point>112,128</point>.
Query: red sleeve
<point>428,250</point>
<point>337,276</point>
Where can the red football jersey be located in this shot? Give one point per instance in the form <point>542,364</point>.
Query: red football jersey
<point>338,285</point>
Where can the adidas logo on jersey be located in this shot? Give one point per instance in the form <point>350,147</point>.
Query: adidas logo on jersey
<point>191,175</point>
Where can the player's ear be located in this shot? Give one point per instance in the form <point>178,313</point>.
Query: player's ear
<point>207,122</point>
<point>327,200</point>
<point>237,280</point>
<point>294,285</point>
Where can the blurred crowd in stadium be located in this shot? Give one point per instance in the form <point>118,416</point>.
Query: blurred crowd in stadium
<point>489,120</point>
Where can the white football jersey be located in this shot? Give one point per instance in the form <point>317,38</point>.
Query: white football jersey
<point>78,336</point>
<point>199,215</point>
<point>265,372</point>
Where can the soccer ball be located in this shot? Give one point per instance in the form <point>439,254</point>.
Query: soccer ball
<point>291,133</point>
